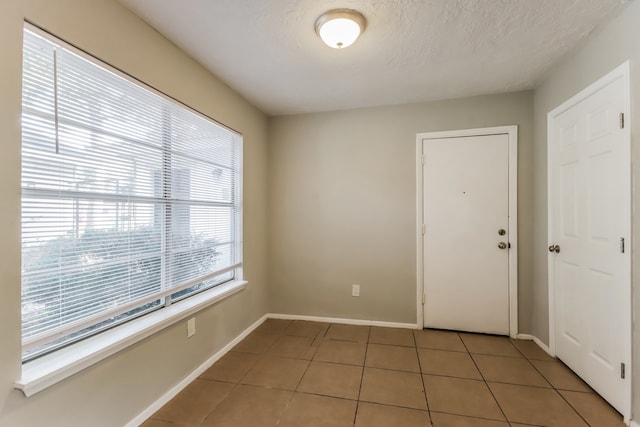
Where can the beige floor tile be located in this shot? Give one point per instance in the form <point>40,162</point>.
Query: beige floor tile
<point>595,410</point>
<point>303,328</point>
<point>274,326</point>
<point>375,415</point>
<point>292,346</point>
<point>509,370</point>
<point>347,352</point>
<point>248,406</point>
<point>392,336</point>
<point>256,343</point>
<point>448,420</point>
<point>192,405</point>
<point>330,379</point>
<point>531,350</point>
<point>439,340</point>
<point>232,367</point>
<point>392,357</point>
<point>489,344</point>
<point>157,423</point>
<point>393,388</point>
<point>348,332</point>
<point>309,410</point>
<point>461,397</point>
<point>448,363</point>
<point>276,372</point>
<point>560,376</point>
<point>534,405</point>
<point>328,392</point>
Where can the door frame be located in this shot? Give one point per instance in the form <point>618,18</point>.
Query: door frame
<point>512,133</point>
<point>621,72</point>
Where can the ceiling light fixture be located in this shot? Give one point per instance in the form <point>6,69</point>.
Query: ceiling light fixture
<point>339,28</point>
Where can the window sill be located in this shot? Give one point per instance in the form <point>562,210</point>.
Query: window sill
<point>48,370</point>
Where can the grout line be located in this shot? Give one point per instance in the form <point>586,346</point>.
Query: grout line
<point>496,355</point>
<point>535,368</point>
<point>556,390</point>
<point>393,345</point>
<point>411,408</point>
<point>364,362</point>
<point>326,331</point>
<point>340,340</point>
<point>339,363</point>
<point>241,377</point>
<point>440,349</point>
<point>302,376</point>
<point>571,406</point>
<point>406,372</point>
<point>309,393</point>
<point>424,386</point>
<point>293,393</point>
<point>219,403</point>
<point>355,414</point>
<point>485,380</point>
<point>482,418</point>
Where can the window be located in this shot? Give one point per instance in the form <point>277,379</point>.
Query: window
<point>130,201</point>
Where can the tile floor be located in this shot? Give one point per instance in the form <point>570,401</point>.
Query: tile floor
<point>306,374</point>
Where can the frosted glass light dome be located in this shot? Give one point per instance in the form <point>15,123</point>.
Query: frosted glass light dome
<point>339,28</point>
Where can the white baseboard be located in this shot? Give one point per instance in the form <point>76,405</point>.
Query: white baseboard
<point>344,321</point>
<point>142,417</point>
<point>633,424</point>
<point>537,341</point>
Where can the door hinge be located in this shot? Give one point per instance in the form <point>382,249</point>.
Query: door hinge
<point>424,229</point>
<point>622,244</point>
<point>622,371</point>
<point>621,120</point>
<point>424,298</point>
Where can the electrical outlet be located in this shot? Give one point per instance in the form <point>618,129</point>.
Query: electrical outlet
<point>191,327</point>
<point>355,290</point>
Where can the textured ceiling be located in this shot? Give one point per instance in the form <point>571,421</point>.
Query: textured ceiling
<point>411,50</point>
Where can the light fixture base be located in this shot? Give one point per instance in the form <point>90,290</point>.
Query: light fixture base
<point>339,28</point>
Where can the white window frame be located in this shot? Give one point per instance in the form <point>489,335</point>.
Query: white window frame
<point>52,368</point>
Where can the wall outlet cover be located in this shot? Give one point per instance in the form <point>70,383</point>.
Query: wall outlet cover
<point>191,327</point>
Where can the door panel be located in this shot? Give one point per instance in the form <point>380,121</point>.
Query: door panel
<point>588,219</point>
<point>571,295</point>
<point>466,195</point>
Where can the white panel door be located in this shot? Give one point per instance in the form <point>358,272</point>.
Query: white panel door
<point>589,194</point>
<point>466,204</point>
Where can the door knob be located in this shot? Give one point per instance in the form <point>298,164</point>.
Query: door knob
<point>554,248</point>
<point>502,245</point>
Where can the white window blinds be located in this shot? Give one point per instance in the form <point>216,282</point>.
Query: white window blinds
<point>130,201</point>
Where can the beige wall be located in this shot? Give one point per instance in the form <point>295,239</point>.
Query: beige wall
<point>613,44</point>
<point>341,204</point>
<point>114,391</point>
<point>342,208</point>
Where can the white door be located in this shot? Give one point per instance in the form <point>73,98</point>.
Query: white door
<point>589,193</point>
<point>466,236</point>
